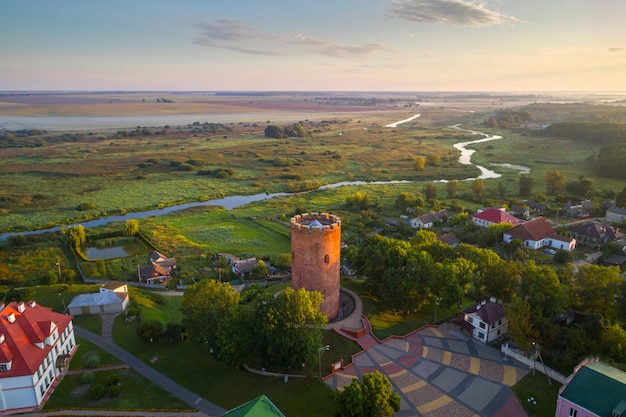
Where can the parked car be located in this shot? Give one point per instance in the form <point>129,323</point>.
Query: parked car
<point>550,251</point>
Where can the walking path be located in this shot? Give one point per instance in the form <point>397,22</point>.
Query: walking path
<point>436,373</point>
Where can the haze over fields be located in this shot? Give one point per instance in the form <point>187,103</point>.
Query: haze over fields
<point>364,45</point>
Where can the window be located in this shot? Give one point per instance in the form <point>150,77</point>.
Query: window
<point>572,412</point>
<point>482,325</point>
<point>470,320</point>
<point>326,259</point>
<point>41,389</point>
<point>481,335</point>
<point>3,367</point>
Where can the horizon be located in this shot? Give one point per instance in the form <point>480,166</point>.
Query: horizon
<point>364,46</point>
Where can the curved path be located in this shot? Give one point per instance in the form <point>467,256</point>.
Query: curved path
<point>194,400</point>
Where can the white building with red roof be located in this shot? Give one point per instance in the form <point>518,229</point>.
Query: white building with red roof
<point>538,233</point>
<point>36,345</point>
<point>494,215</point>
<point>486,321</point>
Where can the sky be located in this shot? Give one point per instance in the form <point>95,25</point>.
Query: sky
<point>319,45</point>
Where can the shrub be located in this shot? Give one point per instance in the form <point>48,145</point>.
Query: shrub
<point>86,206</point>
<point>98,391</point>
<point>114,391</point>
<point>113,379</point>
<point>87,378</point>
<point>91,360</point>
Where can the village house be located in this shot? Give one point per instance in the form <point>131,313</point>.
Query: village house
<point>580,210</point>
<point>594,389</point>
<point>486,321</point>
<point>36,345</point>
<point>161,269</point>
<point>112,298</point>
<point>493,215</point>
<point>240,267</point>
<point>538,233</point>
<point>449,239</point>
<point>595,234</point>
<point>615,214</point>
<point>427,221</point>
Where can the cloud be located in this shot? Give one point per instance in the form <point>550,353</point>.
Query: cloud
<point>448,12</point>
<point>238,36</point>
<point>616,49</point>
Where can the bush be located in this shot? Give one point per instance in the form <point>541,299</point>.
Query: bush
<point>98,391</point>
<point>114,391</point>
<point>113,379</point>
<point>87,378</point>
<point>91,360</point>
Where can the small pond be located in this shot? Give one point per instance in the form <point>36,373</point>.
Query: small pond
<point>92,253</point>
<point>112,248</point>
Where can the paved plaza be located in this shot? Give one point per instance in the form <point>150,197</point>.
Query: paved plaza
<point>437,373</point>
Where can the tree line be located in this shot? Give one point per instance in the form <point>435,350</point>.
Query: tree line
<point>407,275</point>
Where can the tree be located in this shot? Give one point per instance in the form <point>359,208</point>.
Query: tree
<point>359,199</point>
<point>620,200</point>
<point>235,334</point>
<point>282,261</point>
<point>595,289</point>
<point>203,305</point>
<point>131,227</point>
<point>260,270</point>
<point>555,181</point>
<point>478,187</point>
<point>430,190</point>
<point>374,397</point>
<point>150,330</point>
<point>288,329</point>
<point>420,163</point>
<point>501,189</point>
<point>273,131</point>
<point>406,199</point>
<point>525,185</point>
<point>452,188</point>
<point>433,159</point>
<point>77,235</point>
<point>521,327</point>
<point>540,285</point>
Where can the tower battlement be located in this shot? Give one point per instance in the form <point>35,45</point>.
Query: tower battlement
<point>311,222</point>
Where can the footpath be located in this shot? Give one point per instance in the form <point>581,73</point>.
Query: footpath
<point>105,342</point>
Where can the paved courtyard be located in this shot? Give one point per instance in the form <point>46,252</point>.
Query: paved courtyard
<point>438,374</point>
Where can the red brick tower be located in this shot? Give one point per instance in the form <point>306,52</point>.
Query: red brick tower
<point>315,257</point>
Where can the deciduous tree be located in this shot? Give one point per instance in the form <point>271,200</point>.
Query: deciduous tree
<point>374,397</point>
<point>555,181</point>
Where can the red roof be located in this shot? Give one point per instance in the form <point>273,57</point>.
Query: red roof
<point>536,230</point>
<point>32,325</point>
<point>497,216</point>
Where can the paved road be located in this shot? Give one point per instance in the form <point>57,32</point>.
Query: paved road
<point>169,385</point>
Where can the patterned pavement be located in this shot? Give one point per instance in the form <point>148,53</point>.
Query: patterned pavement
<point>438,374</point>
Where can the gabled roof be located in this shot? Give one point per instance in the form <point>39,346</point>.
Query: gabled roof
<point>427,218</point>
<point>536,229</point>
<point>494,215</point>
<point>97,299</point>
<point>597,387</point>
<point>617,210</point>
<point>32,325</point>
<point>245,265</point>
<point>489,312</point>
<point>113,285</point>
<point>592,229</point>
<point>259,407</point>
<point>449,239</point>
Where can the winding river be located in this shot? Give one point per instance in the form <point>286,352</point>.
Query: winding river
<point>235,201</point>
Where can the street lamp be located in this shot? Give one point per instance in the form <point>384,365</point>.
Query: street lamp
<point>59,267</point>
<point>319,359</point>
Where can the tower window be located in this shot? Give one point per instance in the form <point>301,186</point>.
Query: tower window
<point>326,259</point>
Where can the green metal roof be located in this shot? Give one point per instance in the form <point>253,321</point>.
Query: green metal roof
<point>598,387</point>
<point>259,407</point>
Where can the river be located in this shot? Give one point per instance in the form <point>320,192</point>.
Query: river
<point>235,201</point>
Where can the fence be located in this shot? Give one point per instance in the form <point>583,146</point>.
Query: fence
<point>531,362</point>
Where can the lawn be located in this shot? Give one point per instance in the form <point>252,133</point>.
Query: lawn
<point>537,389</point>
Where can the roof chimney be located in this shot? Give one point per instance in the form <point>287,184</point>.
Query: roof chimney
<point>32,304</point>
<point>11,317</point>
<point>21,307</point>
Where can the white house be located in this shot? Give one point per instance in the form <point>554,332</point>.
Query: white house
<point>538,233</point>
<point>493,215</point>
<point>112,298</point>
<point>428,220</point>
<point>487,319</point>
<point>36,345</point>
